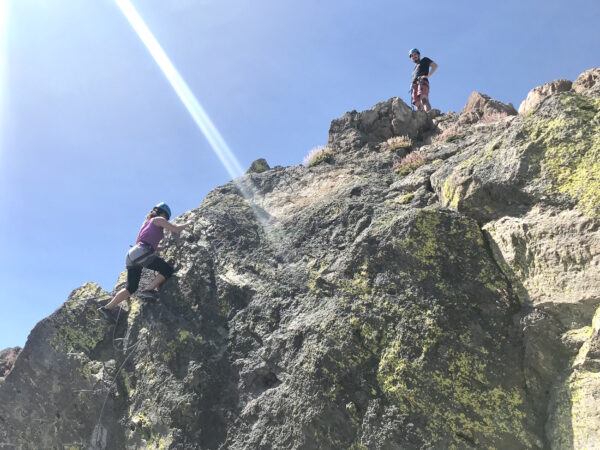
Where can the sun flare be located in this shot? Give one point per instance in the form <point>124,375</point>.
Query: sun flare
<point>184,93</point>
<point>3,69</point>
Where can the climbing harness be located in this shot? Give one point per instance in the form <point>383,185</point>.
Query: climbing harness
<point>140,254</point>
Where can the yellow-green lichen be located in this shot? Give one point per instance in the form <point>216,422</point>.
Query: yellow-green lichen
<point>455,242</point>
<point>572,420</point>
<point>258,166</point>
<point>141,420</point>
<point>87,291</point>
<point>127,384</point>
<point>358,446</point>
<point>184,341</point>
<point>570,149</point>
<point>185,337</point>
<point>455,137</point>
<point>458,400</point>
<point>451,193</point>
<point>369,336</point>
<point>151,433</point>
<point>404,199</point>
<point>584,387</point>
<point>577,336</point>
<point>160,442</point>
<point>481,156</point>
<point>92,371</point>
<point>135,308</point>
<point>314,277</point>
<point>359,285</point>
<point>573,413</point>
<point>169,353</point>
<point>596,321</point>
<point>324,155</point>
<point>78,329</point>
<point>405,169</point>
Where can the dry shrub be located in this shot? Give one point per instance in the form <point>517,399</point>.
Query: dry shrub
<point>396,142</point>
<point>409,163</point>
<point>318,155</point>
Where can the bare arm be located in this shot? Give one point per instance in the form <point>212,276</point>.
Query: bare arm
<point>432,68</point>
<point>164,223</point>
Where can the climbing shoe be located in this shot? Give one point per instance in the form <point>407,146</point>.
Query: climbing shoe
<point>148,296</point>
<point>108,314</point>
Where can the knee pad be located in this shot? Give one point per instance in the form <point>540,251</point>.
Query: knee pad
<point>132,287</point>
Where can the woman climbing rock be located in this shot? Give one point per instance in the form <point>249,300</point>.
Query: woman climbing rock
<point>143,254</point>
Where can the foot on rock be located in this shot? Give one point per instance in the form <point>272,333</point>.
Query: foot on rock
<point>150,296</point>
<point>108,314</point>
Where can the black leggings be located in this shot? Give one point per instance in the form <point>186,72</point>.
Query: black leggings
<point>134,273</point>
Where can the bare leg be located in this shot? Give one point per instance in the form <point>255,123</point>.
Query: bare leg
<point>425,102</point>
<point>158,280</point>
<point>123,294</point>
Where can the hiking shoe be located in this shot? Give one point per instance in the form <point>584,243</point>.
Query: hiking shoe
<point>148,296</point>
<point>108,314</point>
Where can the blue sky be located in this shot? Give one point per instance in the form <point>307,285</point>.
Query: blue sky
<point>92,135</point>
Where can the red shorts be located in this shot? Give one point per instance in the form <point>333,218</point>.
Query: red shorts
<point>420,88</point>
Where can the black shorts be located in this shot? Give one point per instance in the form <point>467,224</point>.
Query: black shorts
<point>134,273</point>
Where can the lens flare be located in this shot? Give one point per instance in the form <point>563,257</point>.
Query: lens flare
<point>185,94</point>
<point>3,70</point>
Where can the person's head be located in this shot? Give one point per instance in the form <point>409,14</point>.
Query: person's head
<point>414,54</point>
<point>162,209</point>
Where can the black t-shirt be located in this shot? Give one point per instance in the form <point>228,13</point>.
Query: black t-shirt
<point>421,68</point>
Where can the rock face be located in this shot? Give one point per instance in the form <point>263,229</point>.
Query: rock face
<point>347,306</point>
<point>7,360</point>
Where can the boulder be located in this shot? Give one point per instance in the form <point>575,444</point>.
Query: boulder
<point>482,107</point>
<point>587,80</point>
<point>538,94</point>
<point>385,120</point>
<point>258,166</point>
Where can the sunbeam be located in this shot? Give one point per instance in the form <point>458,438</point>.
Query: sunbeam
<point>185,94</point>
<point>3,71</point>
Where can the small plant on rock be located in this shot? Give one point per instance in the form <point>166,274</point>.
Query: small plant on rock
<point>317,156</point>
<point>409,163</point>
<point>396,142</point>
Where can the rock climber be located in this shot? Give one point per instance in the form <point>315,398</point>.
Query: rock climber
<point>143,254</point>
<point>424,68</point>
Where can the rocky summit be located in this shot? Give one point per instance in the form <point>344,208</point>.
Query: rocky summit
<point>428,281</point>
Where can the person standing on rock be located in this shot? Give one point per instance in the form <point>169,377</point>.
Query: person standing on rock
<point>143,254</point>
<point>424,68</point>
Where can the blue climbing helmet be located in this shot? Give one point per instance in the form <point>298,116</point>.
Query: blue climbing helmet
<point>162,206</point>
<point>413,50</point>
